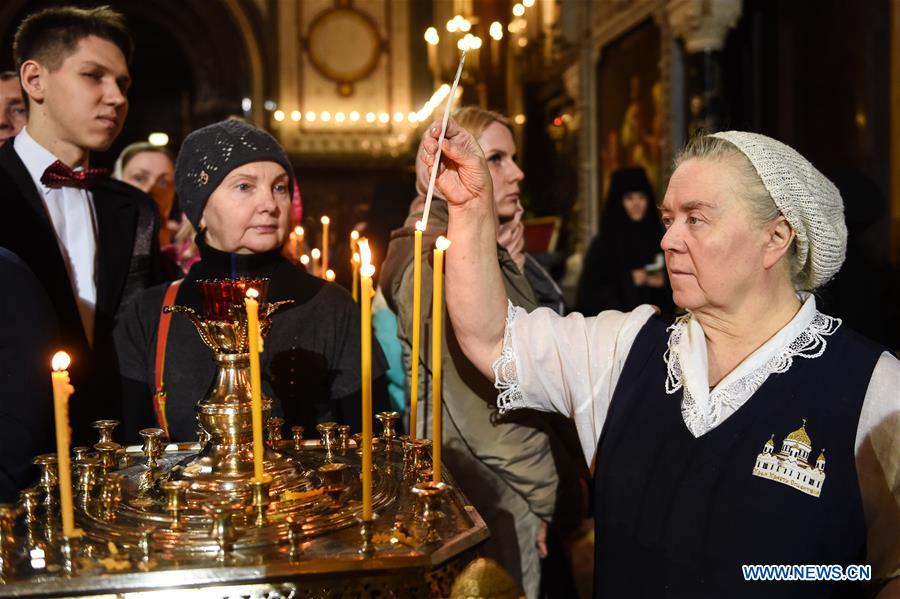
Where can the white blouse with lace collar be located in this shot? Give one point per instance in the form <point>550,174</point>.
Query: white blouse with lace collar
<point>572,364</point>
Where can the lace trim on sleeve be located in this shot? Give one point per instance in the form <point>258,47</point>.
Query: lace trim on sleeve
<point>506,379</point>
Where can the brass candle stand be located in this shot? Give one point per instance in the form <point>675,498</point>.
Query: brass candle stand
<point>191,515</point>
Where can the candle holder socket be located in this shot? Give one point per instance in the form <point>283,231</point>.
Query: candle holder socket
<point>296,536</point>
<point>176,502</point>
<point>49,477</point>
<point>261,500</point>
<point>332,474</point>
<point>297,435</point>
<point>30,499</point>
<point>366,534</point>
<point>86,477</point>
<point>222,529</point>
<point>105,429</point>
<point>109,455</point>
<point>388,421</point>
<point>68,551</point>
<point>344,436</point>
<point>430,495</point>
<point>273,432</point>
<point>110,495</point>
<point>79,453</point>
<point>327,431</point>
<point>153,445</point>
<point>420,451</point>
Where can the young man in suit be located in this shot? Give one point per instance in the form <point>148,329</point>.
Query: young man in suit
<point>90,240</point>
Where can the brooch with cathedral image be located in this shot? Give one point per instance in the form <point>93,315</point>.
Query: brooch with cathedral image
<point>791,465</point>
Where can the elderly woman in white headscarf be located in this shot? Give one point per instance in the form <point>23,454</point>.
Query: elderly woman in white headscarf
<point>754,430</point>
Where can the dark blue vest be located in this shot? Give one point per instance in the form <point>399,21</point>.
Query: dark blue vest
<point>677,516</point>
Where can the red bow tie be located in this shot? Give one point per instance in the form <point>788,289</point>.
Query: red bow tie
<point>59,175</point>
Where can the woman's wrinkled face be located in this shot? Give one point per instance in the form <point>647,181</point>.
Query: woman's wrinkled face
<point>714,249</point>
<point>249,212</point>
<point>635,203</point>
<point>154,174</point>
<point>499,149</point>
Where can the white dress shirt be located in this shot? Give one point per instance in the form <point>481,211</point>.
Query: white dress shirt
<point>572,364</point>
<point>72,212</point>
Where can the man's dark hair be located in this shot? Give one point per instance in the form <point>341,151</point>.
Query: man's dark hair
<point>8,75</point>
<point>53,34</point>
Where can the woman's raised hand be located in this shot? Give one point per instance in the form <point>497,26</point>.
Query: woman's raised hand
<point>463,173</point>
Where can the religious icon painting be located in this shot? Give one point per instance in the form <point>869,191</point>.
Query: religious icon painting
<point>791,465</point>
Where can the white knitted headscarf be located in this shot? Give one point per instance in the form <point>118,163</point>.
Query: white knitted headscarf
<point>807,199</point>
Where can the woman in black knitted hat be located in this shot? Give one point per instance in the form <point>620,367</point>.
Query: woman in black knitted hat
<point>234,183</point>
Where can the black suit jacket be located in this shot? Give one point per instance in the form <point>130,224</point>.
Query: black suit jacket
<point>127,248</point>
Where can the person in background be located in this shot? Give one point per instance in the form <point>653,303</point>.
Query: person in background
<point>151,169</point>
<point>505,467</point>
<point>239,201</point>
<point>90,240</point>
<point>13,112</point>
<point>623,267</point>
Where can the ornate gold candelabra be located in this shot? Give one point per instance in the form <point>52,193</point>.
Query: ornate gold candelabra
<point>190,514</point>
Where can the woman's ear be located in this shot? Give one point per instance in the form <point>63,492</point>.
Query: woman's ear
<point>780,235</point>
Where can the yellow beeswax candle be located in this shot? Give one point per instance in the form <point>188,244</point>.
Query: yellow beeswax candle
<point>316,254</point>
<point>253,338</point>
<point>298,235</point>
<point>416,328</point>
<point>326,222</point>
<point>365,299</point>
<point>61,392</point>
<point>355,263</point>
<point>437,313</point>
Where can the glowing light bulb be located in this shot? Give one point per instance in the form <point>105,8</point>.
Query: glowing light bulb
<point>354,116</point>
<point>496,30</point>
<point>279,115</point>
<point>431,36</point>
<point>518,10</point>
<point>295,115</point>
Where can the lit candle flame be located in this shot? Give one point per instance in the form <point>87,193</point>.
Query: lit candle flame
<point>325,220</point>
<point>60,361</point>
<point>329,275</point>
<point>442,243</point>
<point>316,253</point>
<point>252,293</point>
<point>298,230</point>
<point>420,226</point>
<point>356,258</point>
<point>354,234</point>
<point>365,255</point>
<point>304,260</point>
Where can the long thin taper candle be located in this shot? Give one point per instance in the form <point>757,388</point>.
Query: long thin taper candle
<point>61,392</point>
<point>437,317</point>
<point>437,156</point>
<point>255,380</point>
<point>365,301</point>
<point>298,250</point>
<point>325,224</point>
<point>417,325</point>
<point>316,254</point>
<point>355,263</point>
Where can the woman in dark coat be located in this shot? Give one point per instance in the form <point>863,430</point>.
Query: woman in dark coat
<point>234,182</point>
<point>623,267</point>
